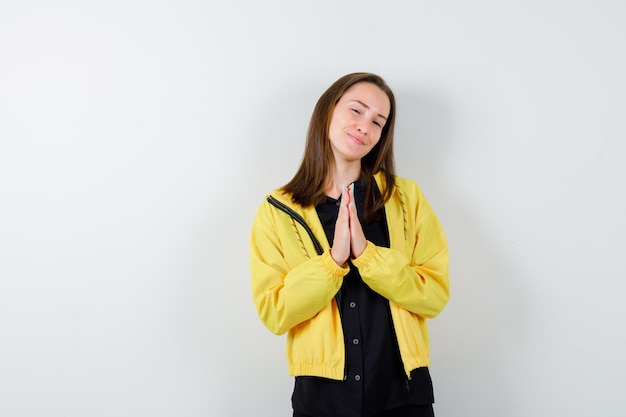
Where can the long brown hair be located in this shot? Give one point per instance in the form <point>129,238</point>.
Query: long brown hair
<point>308,184</point>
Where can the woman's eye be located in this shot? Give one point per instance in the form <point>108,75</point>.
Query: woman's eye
<point>378,123</point>
<point>356,111</point>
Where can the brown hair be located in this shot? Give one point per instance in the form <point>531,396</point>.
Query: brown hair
<point>308,184</point>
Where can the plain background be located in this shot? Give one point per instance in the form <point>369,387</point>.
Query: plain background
<point>137,139</point>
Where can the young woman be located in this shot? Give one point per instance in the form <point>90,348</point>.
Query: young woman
<point>351,261</point>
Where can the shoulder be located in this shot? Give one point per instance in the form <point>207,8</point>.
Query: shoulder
<point>403,188</point>
<point>408,194</point>
<point>274,199</point>
<point>282,196</point>
<point>399,182</point>
<point>406,184</point>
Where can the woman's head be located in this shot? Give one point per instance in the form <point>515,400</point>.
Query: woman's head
<point>308,185</point>
<point>319,144</point>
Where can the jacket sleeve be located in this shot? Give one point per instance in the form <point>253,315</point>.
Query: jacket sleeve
<point>417,281</point>
<point>288,288</point>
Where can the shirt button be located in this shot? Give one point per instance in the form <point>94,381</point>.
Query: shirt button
<point>352,304</point>
<point>357,377</point>
<point>355,341</point>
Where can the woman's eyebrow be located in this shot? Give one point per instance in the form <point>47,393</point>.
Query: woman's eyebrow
<point>367,107</point>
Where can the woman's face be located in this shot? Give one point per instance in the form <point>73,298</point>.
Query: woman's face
<point>358,121</point>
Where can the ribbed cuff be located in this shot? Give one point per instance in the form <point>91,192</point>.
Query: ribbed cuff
<point>332,266</point>
<point>366,256</point>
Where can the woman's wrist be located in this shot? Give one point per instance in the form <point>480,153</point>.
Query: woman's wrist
<point>342,264</point>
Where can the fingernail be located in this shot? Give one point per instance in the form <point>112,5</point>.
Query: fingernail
<point>352,188</point>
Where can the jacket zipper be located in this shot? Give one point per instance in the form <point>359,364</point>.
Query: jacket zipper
<point>299,219</point>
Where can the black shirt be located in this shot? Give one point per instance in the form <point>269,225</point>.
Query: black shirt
<point>374,378</point>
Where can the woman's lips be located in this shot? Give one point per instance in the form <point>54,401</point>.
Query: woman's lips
<point>356,139</point>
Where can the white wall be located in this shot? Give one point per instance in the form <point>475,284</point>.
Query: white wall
<point>138,138</point>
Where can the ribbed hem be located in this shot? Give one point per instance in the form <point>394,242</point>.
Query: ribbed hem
<point>322,371</point>
<point>413,363</point>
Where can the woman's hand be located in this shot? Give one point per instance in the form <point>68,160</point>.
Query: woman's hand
<point>357,237</point>
<point>349,238</point>
<point>340,251</point>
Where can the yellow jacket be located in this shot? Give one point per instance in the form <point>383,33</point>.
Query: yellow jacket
<point>293,287</point>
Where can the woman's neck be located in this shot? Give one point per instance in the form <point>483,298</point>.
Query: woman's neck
<point>341,176</point>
